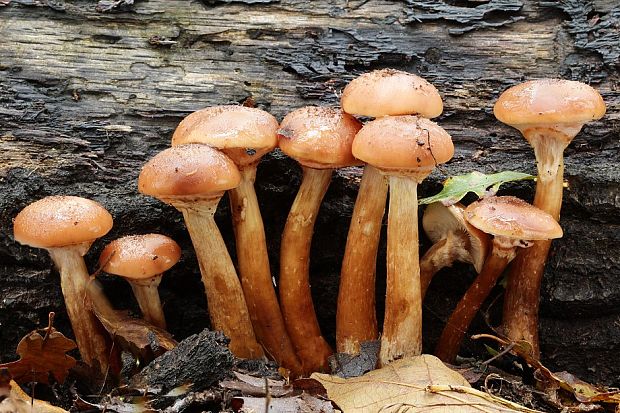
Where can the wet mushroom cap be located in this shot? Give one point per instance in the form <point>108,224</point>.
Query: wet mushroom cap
<point>319,137</point>
<point>140,256</point>
<point>58,221</point>
<point>238,131</point>
<point>391,92</point>
<point>549,101</point>
<point>512,218</point>
<point>403,143</point>
<point>188,170</point>
<point>439,220</point>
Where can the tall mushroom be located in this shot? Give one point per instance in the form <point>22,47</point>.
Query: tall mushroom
<point>513,223</point>
<point>549,113</point>
<point>246,135</point>
<point>379,93</point>
<point>453,240</point>
<point>407,149</point>
<point>320,140</point>
<point>193,178</point>
<point>66,226</point>
<point>141,260</point>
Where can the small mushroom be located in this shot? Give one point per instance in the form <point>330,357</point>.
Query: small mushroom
<point>379,93</point>
<point>406,149</point>
<point>320,140</point>
<point>513,223</point>
<point>141,260</point>
<point>246,135</point>
<point>66,226</point>
<point>193,178</point>
<point>549,113</point>
<point>453,240</point>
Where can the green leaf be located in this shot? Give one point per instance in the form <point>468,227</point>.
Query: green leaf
<point>456,187</point>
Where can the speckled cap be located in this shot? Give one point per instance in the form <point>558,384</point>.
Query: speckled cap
<point>391,92</point>
<point>549,101</point>
<point>244,134</point>
<point>403,143</point>
<point>140,256</point>
<point>512,217</point>
<point>191,170</point>
<point>58,221</point>
<point>319,137</point>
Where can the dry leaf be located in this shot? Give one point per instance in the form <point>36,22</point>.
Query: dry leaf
<point>14,400</point>
<point>421,384</point>
<point>42,353</point>
<point>298,404</point>
<point>135,335</point>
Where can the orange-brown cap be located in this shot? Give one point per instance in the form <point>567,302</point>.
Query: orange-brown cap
<point>58,221</point>
<point>440,220</point>
<point>191,170</point>
<point>391,92</point>
<point>319,137</point>
<point>512,217</point>
<point>549,101</point>
<point>140,256</point>
<point>403,144</point>
<point>244,134</point>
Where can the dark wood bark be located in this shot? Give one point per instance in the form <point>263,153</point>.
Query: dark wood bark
<point>89,92</point>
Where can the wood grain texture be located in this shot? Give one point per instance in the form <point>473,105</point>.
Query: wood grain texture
<point>89,91</point>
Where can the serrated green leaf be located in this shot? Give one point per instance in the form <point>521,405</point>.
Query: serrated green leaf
<point>456,187</point>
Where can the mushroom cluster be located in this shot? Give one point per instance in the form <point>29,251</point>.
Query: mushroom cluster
<point>217,150</point>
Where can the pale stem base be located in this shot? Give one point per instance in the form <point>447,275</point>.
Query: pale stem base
<point>356,319</point>
<point>295,294</point>
<point>255,273</point>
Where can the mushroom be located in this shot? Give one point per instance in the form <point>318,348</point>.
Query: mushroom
<point>406,149</point>
<point>549,113</point>
<point>245,135</point>
<point>66,226</point>
<point>375,94</point>
<point>320,140</point>
<point>453,240</point>
<point>141,260</point>
<point>513,223</point>
<point>193,178</point>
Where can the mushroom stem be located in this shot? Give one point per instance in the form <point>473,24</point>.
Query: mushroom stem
<point>147,295</point>
<point>92,339</point>
<point>521,300</point>
<point>255,273</point>
<point>441,254</point>
<point>462,316</point>
<point>402,327</point>
<point>227,307</point>
<point>295,294</point>
<point>356,319</point>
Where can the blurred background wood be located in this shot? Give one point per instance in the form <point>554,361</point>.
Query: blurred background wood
<point>89,91</point>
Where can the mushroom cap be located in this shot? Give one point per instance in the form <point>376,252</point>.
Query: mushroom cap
<point>440,220</point>
<point>59,221</point>
<point>319,137</point>
<point>188,170</point>
<point>403,143</point>
<point>512,217</point>
<point>140,257</point>
<point>549,101</point>
<point>244,134</point>
<point>391,92</point>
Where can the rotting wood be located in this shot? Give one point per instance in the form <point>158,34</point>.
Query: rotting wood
<point>87,97</point>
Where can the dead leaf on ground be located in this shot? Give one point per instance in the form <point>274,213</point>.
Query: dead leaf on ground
<point>420,383</point>
<point>298,404</point>
<point>114,404</point>
<point>135,335</point>
<point>42,354</point>
<point>256,386</point>
<point>14,400</point>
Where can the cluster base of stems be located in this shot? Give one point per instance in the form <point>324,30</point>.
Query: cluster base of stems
<point>227,306</point>
<point>295,294</point>
<point>93,341</point>
<point>356,319</point>
<point>255,273</point>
